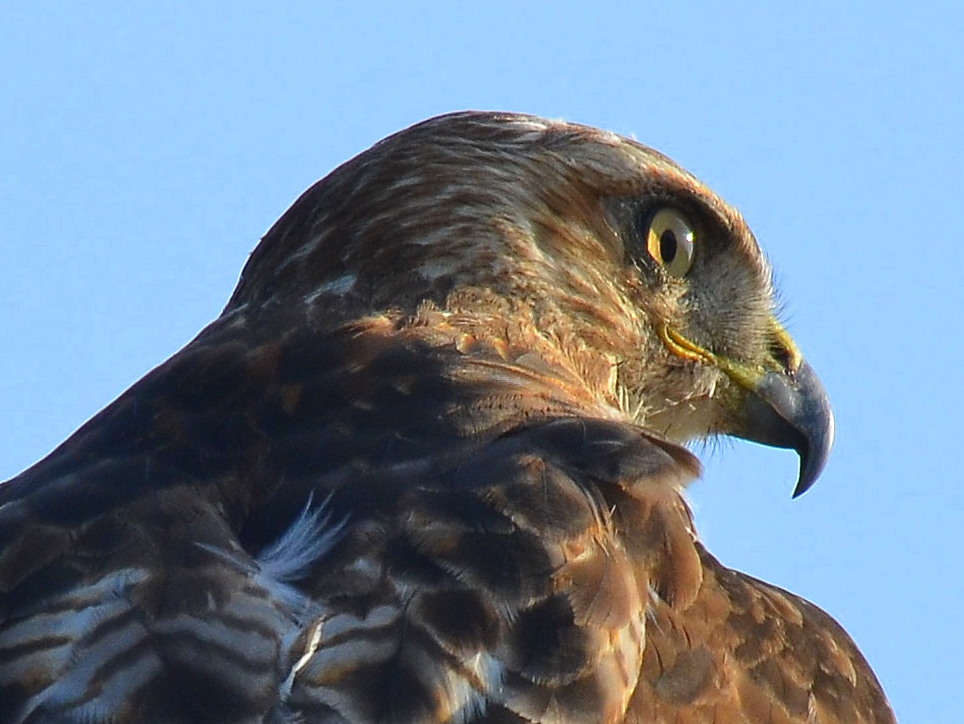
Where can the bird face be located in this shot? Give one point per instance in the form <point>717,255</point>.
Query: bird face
<point>730,366</point>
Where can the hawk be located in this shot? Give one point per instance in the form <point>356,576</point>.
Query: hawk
<point>429,466</point>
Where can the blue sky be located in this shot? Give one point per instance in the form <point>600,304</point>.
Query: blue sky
<point>145,148</point>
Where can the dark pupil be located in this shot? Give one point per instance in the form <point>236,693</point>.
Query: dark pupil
<point>667,246</point>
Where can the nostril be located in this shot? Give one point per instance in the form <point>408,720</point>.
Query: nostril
<point>784,351</point>
<point>784,357</point>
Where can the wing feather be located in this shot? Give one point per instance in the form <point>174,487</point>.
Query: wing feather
<point>486,548</point>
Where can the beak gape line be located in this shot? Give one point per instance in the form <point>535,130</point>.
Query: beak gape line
<point>786,407</point>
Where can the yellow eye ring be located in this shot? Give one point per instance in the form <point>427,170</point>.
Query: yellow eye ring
<point>670,240</point>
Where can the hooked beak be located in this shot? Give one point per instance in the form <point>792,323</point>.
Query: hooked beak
<point>792,410</point>
<point>784,405</point>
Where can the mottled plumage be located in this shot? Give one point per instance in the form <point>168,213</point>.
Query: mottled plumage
<point>427,466</point>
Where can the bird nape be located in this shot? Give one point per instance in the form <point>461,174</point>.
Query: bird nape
<point>428,466</point>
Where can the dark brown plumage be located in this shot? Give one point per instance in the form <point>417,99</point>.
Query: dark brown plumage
<point>427,466</point>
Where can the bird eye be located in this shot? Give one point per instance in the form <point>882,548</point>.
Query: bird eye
<point>670,241</point>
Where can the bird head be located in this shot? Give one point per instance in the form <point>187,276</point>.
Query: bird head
<point>628,266</point>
